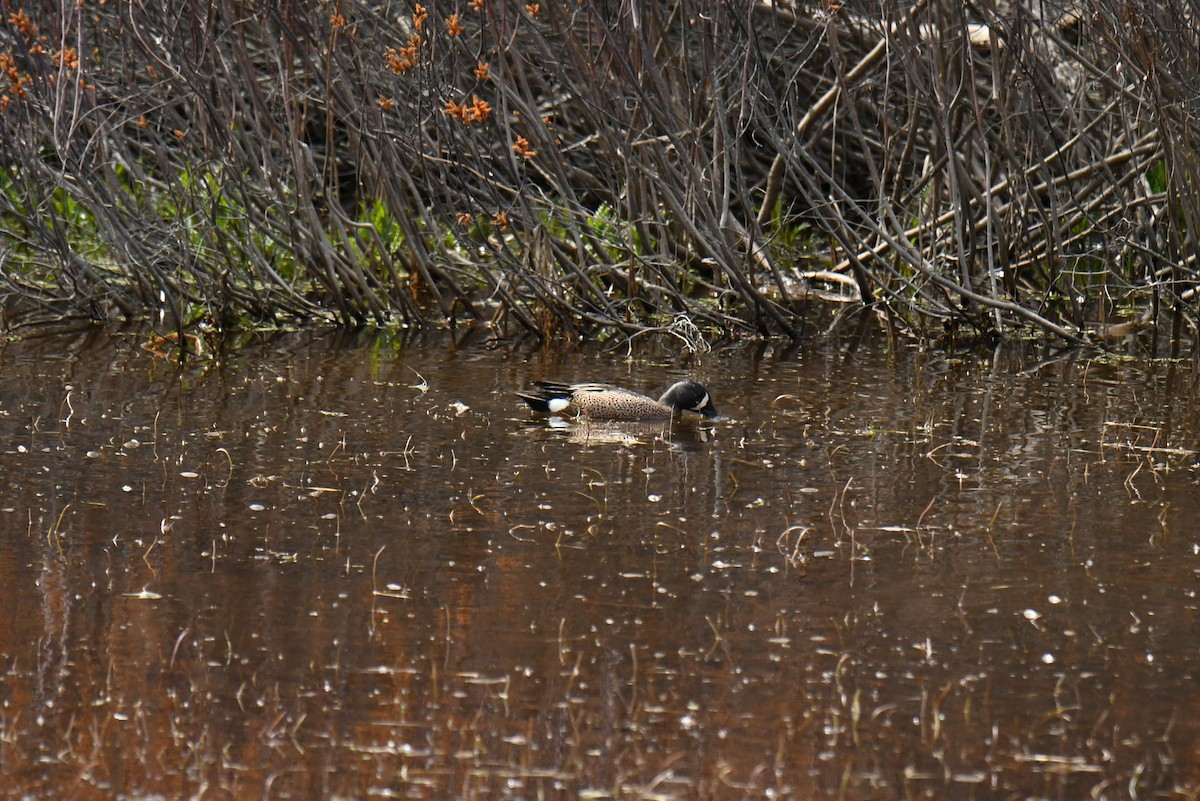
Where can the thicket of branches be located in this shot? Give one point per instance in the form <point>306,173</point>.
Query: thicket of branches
<point>569,166</point>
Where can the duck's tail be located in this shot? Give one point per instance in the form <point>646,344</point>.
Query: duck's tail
<point>550,398</point>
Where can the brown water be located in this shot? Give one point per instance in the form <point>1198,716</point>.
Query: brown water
<point>356,568</point>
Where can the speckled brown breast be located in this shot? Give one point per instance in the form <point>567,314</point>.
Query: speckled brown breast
<point>612,403</point>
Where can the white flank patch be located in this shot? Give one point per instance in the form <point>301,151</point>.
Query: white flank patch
<point>558,404</point>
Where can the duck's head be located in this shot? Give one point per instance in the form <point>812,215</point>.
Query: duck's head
<point>689,396</point>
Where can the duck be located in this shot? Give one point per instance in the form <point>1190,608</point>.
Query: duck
<point>608,402</point>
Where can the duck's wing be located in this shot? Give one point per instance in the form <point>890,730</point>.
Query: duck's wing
<point>552,397</point>
<point>566,390</point>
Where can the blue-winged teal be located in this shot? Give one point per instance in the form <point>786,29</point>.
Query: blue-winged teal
<point>606,402</point>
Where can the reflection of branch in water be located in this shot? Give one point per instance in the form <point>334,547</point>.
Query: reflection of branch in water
<point>683,328</point>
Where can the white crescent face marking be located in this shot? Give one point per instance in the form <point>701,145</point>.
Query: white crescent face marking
<point>703,402</point>
<point>558,404</point>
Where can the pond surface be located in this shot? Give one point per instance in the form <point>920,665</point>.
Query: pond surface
<point>331,566</point>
